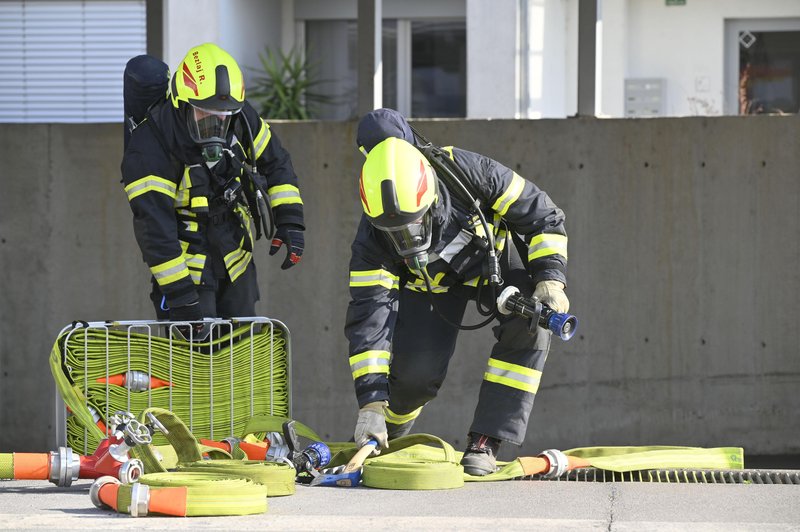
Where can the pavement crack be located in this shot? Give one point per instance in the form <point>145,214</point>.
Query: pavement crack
<point>612,499</point>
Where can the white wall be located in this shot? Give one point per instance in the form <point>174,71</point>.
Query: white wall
<point>683,44</point>
<point>522,58</point>
<point>493,55</point>
<point>552,58</point>
<point>187,24</point>
<point>242,27</point>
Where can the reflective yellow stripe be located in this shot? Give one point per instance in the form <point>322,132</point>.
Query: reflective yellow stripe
<point>244,214</point>
<point>512,375</point>
<point>509,195</point>
<point>474,281</point>
<point>170,271</point>
<point>262,139</point>
<point>284,194</point>
<point>191,226</point>
<point>418,285</point>
<point>547,244</point>
<point>150,183</point>
<point>369,362</point>
<point>195,263</point>
<point>182,196</point>
<point>200,201</point>
<point>399,419</point>
<point>236,262</point>
<point>374,278</point>
<point>240,268</point>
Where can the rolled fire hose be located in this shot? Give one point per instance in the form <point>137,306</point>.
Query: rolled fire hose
<point>95,353</point>
<point>401,467</point>
<point>185,494</point>
<point>278,477</point>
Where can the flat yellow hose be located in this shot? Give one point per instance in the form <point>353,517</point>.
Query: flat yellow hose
<point>222,384</point>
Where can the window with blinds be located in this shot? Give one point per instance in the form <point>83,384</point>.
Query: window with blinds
<point>62,60</point>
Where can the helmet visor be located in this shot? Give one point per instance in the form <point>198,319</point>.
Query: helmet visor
<point>206,125</point>
<point>412,238</point>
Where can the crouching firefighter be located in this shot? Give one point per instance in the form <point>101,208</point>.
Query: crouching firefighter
<point>201,170</point>
<point>442,227</point>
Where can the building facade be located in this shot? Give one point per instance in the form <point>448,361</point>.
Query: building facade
<point>440,58</point>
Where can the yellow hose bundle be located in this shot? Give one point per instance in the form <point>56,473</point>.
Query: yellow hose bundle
<point>216,386</point>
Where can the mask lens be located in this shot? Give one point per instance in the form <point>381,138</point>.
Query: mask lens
<point>412,238</point>
<point>205,125</point>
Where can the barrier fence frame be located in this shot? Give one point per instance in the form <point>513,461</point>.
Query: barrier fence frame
<point>166,330</point>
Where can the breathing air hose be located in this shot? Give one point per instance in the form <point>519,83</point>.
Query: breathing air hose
<point>226,387</point>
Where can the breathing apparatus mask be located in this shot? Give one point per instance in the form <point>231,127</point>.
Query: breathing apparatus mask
<point>412,240</point>
<point>208,128</point>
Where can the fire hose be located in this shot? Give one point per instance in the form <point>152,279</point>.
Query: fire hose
<point>197,487</point>
<point>100,371</point>
<point>181,494</point>
<point>64,466</point>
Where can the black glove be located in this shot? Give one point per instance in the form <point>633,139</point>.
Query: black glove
<point>190,312</point>
<point>292,237</point>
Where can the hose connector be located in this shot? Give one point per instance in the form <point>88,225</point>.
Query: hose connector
<point>65,467</point>
<point>278,450</point>
<point>94,491</point>
<point>140,499</point>
<point>130,471</point>
<point>558,463</point>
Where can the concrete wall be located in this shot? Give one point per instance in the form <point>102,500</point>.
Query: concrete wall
<point>683,272</point>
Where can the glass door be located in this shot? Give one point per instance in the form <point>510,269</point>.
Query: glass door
<point>763,66</point>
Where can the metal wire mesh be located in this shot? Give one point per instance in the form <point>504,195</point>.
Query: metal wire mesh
<point>679,476</point>
<point>241,369</point>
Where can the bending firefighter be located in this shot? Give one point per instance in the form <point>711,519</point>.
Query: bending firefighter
<point>201,170</point>
<point>443,227</point>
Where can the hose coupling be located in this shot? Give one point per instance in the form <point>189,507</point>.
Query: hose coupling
<point>65,467</point>
<point>558,463</point>
<point>278,448</point>
<point>130,471</point>
<point>140,499</point>
<point>94,491</point>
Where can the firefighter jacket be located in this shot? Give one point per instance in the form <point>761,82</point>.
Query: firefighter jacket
<point>456,257</point>
<point>191,233</point>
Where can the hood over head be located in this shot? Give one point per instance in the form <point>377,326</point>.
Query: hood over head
<point>380,124</point>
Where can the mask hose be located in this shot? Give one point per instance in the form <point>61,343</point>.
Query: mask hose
<point>460,327</point>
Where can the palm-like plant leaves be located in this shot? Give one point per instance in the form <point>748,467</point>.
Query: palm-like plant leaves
<point>283,87</point>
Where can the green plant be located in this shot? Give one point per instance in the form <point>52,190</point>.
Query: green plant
<point>284,86</point>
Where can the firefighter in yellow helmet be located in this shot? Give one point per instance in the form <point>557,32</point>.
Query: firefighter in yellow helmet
<point>203,172</point>
<point>418,258</point>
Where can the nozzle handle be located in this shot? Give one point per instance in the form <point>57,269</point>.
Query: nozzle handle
<point>511,301</point>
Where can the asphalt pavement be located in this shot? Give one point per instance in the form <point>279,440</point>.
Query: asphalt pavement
<point>508,505</point>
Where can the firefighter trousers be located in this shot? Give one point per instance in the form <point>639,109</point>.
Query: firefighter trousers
<point>424,343</point>
<point>229,300</point>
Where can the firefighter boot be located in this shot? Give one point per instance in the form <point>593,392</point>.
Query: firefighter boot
<point>480,457</point>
